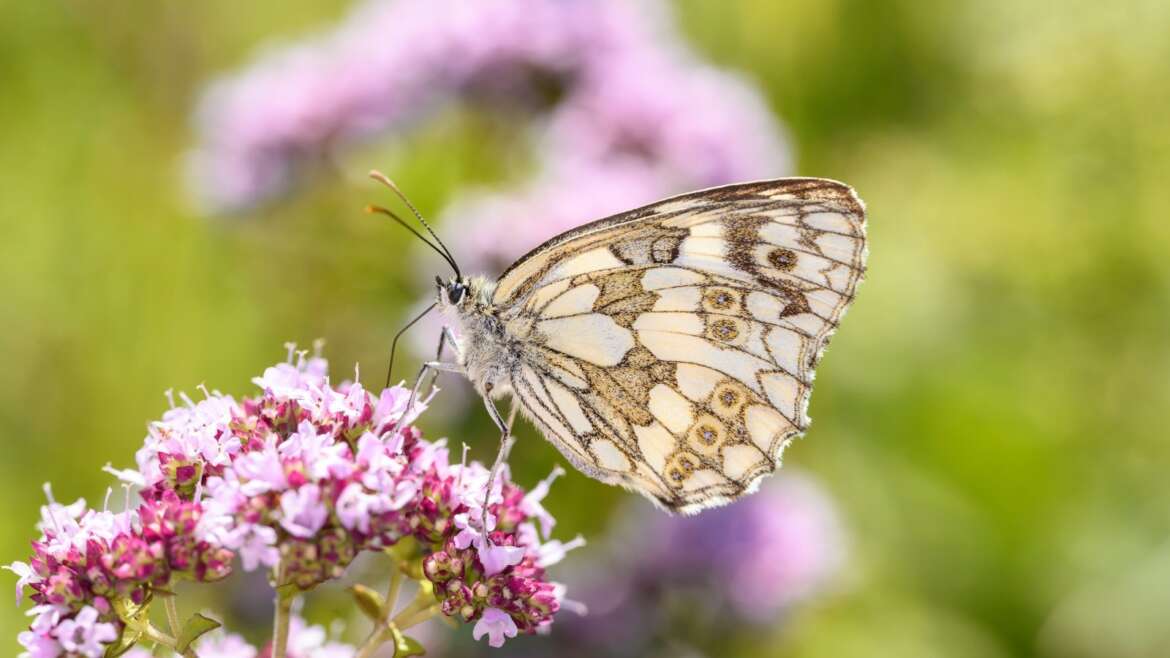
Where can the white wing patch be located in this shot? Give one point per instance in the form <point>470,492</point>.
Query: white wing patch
<point>575,301</point>
<point>593,338</point>
<point>671,408</point>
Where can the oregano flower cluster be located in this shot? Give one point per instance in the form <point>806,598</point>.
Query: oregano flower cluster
<point>297,480</point>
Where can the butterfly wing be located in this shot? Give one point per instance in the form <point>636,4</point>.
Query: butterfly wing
<point>671,349</point>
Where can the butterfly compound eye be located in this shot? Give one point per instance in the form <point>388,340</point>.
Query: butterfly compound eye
<point>455,292</point>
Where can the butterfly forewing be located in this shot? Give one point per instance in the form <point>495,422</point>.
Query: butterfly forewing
<point>671,349</point>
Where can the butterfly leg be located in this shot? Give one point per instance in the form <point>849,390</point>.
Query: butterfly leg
<point>506,441</point>
<point>445,337</point>
<point>429,366</point>
<point>512,413</point>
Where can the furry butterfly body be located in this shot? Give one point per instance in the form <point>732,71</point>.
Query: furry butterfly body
<point>670,349</point>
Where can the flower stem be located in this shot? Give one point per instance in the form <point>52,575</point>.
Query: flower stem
<point>392,591</point>
<point>280,621</point>
<point>377,638</point>
<point>151,633</point>
<point>421,602</point>
<point>418,617</point>
<point>386,629</point>
<point>172,608</point>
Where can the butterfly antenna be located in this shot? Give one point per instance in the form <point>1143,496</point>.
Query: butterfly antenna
<point>371,209</point>
<point>394,343</point>
<point>385,180</point>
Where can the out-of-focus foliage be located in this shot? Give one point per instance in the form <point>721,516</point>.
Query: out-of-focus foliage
<point>989,417</point>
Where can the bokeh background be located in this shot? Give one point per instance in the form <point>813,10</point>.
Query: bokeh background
<point>989,423</point>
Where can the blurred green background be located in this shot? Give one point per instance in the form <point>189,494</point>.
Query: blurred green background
<point>990,417</point>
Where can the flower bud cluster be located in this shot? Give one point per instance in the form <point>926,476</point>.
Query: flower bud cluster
<point>90,568</point>
<point>297,480</point>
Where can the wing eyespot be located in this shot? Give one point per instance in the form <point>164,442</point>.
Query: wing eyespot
<point>722,300</point>
<point>782,259</point>
<point>707,435</point>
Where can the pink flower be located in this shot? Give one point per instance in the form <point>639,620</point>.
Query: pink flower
<point>496,624</point>
<point>25,576</point>
<point>318,452</point>
<point>38,640</point>
<point>531,503</point>
<point>496,558</point>
<point>470,530</point>
<point>293,380</point>
<point>224,645</point>
<point>305,641</point>
<point>355,507</point>
<point>554,550</point>
<point>38,646</point>
<point>392,407</point>
<point>262,470</point>
<point>303,514</point>
<point>254,543</point>
<point>83,634</point>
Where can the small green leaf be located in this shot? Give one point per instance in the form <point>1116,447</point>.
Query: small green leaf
<point>195,627</point>
<point>406,646</point>
<point>371,603</point>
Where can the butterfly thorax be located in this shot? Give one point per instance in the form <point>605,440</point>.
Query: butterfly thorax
<point>490,346</point>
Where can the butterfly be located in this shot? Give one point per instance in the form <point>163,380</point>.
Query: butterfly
<point>669,349</point>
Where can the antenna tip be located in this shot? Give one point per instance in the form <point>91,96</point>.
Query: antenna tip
<point>372,209</point>
<point>381,178</point>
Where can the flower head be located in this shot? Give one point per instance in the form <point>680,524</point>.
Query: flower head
<point>305,475</point>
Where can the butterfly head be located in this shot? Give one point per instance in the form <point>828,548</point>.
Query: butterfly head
<point>463,294</point>
<point>453,292</point>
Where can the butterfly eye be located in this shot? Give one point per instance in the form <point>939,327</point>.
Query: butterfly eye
<point>455,292</point>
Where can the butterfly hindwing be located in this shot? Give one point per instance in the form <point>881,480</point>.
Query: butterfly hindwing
<point>671,349</point>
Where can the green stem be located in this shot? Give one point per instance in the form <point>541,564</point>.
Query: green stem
<point>421,602</point>
<point>418,617</point>
<point>280,621</point>
<point>392,591</point>
<point>385,629</point>
<point>172,608</point>
<point>172,614</point>
<point>151,633</point>
<point>377,638</point>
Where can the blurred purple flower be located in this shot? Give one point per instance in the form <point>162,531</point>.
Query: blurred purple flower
<point>743,564</point>
<point>628,89</point>
<point>764,552</point>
